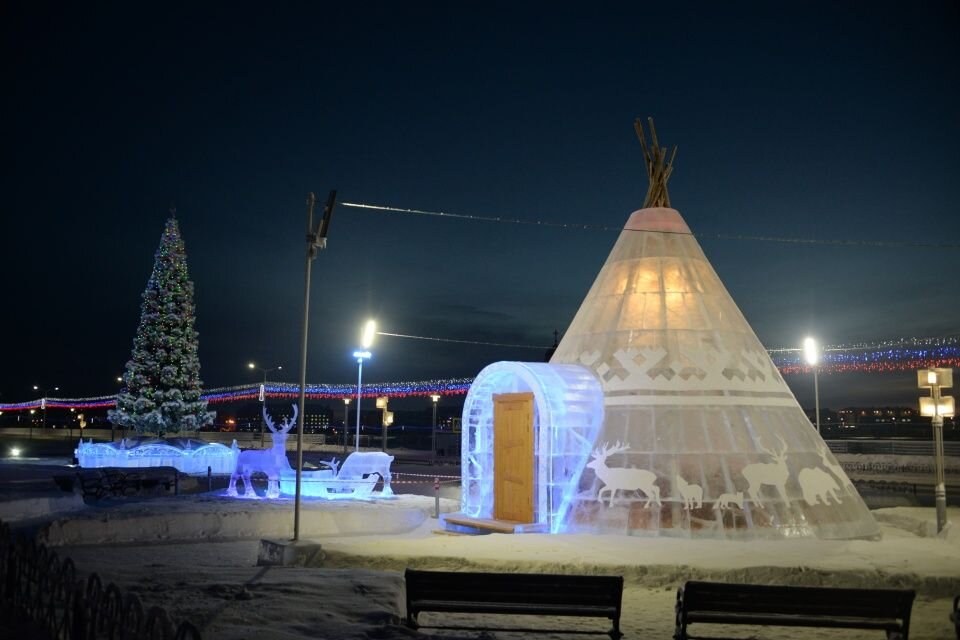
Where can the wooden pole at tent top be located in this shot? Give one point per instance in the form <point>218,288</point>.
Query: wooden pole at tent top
<point>659,168</point>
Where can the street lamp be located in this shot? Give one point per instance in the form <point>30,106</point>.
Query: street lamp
<point>811,353</point>
<point>263,390</point>
<point>43,404</point>
<point>433,431</point>
<point>263,386</point>
<point>386,419</point>
<point>366,341</point>
<point>936,407</point>
<point>346,423</point>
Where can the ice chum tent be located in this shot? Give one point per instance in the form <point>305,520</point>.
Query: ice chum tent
<point>660,413</point>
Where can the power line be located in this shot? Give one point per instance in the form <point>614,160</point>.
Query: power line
<point>714,236</point>
<point>486,344</point>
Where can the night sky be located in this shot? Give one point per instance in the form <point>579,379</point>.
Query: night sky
<point>814,120</point>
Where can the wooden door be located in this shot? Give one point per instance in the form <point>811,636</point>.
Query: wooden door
<point>513,457</point>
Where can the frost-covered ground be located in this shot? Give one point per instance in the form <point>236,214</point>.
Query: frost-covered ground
<point>196,556</point>
<point>358,590</point>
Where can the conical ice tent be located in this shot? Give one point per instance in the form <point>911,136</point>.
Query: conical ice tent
<point>701,436</point>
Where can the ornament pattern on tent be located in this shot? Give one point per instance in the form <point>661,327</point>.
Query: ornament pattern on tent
<point>729,500</point>
<point>817,485</point>
<point>692,494</point>
<point>774,474</point>
<point>622,479</point>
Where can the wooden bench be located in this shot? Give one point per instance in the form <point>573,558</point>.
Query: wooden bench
<point>111,481</point>
<point>886,610</point>
<point>514,593</point>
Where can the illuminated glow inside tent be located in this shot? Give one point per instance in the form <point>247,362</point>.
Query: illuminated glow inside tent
<point>701,437</point>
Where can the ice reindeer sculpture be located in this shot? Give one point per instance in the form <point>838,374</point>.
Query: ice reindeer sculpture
<point>269,461</point>
<point>355,478</point>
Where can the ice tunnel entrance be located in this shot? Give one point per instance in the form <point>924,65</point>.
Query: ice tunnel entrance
<point>567,416</point>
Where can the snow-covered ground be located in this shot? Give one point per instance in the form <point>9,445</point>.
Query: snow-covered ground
<point>196,555</point>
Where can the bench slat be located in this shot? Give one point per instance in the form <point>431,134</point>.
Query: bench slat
<point>513,607</point>
<point>719,603</point>
<point>515,593</point>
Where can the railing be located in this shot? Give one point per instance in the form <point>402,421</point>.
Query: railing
<point>892,447</point>
<point>43,589</point>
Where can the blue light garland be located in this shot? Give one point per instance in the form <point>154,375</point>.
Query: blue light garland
<point>904,354</point>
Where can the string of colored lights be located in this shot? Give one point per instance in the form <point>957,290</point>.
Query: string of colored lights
<point>718,236</point>
<point>875,357</point>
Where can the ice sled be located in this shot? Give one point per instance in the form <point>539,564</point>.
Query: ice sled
<point>354,480</point>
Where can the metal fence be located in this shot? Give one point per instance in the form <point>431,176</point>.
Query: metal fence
<point>45,591</point>
<point>892,447</point>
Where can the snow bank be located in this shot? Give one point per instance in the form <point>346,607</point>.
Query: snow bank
<point>216,517</point>
<point>394,534</point>
<point>39,506</point>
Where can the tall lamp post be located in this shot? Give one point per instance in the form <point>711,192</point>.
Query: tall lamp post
<point>433,431</point>
<point>263,389</point>
<point>346,423</point>
<point>366,341</point>
<point>316,240</point>
<point>43,404</point>
<point>811,353</point>
<point>936,407</point>
<point>112,426</point>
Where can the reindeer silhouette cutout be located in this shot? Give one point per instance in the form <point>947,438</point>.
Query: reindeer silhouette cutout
<point>619,478</point>
<point>817,485</point>
<point>770,473</point>
<point>268,461</point>
<point>692,494</point>
<point>729,500</point>
<point>834,468</point>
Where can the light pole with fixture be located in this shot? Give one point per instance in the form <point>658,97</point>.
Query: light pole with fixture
<point>263,390</point>
<point>433,431</point>
<point>316,240</point>
<point>43,404</point>
<point>366,341</point>
<point>346,424</point>
<point>386,419</point>
<point>937,407</point>
<point>811,353</point>
<point>112,426</point>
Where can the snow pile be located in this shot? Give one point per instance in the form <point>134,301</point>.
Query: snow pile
<point>922,522</point>
<point>40,505</point>
<point>216,517</point>
<point>358,592</point>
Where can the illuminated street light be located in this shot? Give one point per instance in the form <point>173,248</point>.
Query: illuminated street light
<point>811,353</point>
<point>433,432</point>
<point>937,407</point>
<point>43,405</point>
<point>366,341</point>
<point>346,423</point>
<point>386,419</point>
<point>263,390</point>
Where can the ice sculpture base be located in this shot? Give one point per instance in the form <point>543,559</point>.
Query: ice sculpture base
<point>461,523</point>
<point>324,484</point>
<point>186,455</point>
<point>289,553</point>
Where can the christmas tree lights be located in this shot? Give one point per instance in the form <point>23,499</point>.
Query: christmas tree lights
<point>162,388</point>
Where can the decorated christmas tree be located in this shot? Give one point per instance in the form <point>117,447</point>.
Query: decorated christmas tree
<point>162,385</point>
